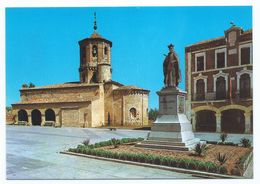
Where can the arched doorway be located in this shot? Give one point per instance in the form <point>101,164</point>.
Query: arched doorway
<point>22,115</point>
<point>220,88</point>
<point>49,115</point>
<point>205,121</point>
<point>36,117</point>
<point>200,90</point>
<point>233,121</point>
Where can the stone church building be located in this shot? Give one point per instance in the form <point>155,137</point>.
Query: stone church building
<point>219,82</point>
<point>96,100</point>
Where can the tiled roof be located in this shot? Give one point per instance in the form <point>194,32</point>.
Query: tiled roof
<point>95,35</point>
<point>45,101</point>
<point>129,88</point>
<point>63,85</point>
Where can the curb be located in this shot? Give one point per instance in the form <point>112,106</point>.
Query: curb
<point>181,170</point>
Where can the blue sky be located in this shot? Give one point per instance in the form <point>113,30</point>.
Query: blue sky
<point>42,43</point>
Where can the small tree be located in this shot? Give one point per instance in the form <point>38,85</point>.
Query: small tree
<point>31,85</point>
<point>8,109</point>
<point>24,86</point>
<point>153,114</point>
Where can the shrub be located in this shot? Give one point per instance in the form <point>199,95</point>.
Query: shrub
<point>182,163</point>
<point>86,142</point>
<point>174,162</point>
<point>222,170</point>
<point>221,158</point>
<point>200,149</point>
<point>157,160</point>
<point>202,166</point>
<point>191,164</point>
<point>71,149</point>
<point>223,136</point>
<point>245,142</point>
<point>142,158</point>
<point>115,142</point>
<point>140,139</point>
<point>149,159</point>
<point>211,167</point>
<point>165,161</point>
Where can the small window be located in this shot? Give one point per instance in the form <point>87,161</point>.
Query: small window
<point>105,50</point>
<point>245,55</point>
<point>221,60</point>
<point>133,113</point>
<point>200,63</point>
<point>94,51</point>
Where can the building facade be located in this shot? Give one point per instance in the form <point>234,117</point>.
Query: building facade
<point>96,100</point>
<point>219,83</point>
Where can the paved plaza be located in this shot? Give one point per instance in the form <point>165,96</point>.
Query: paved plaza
<point>33,153</point>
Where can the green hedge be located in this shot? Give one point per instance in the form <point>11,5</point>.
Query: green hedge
<point>109,142</point>
<point>154,159</point>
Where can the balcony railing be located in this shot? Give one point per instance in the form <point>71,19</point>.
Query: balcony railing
<point>222,96</point>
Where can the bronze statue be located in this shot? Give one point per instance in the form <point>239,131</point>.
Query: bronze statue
<point>171,69</point>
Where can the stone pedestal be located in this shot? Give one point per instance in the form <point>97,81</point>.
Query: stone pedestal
<point>171,130</point>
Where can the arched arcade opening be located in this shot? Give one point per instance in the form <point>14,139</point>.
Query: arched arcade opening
<point>205,121</point>
<point>233,121</point>
<point>22,115</point>
<point>36,117</point>
<point>50,115</point>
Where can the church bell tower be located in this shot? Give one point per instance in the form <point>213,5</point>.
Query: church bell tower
<point>95,58</point>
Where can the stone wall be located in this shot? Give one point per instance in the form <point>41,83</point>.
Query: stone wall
<point>60,94</point>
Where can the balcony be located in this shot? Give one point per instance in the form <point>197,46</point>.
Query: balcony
<point>213,96</point>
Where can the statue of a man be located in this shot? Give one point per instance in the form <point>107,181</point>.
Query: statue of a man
<point>171,69</point>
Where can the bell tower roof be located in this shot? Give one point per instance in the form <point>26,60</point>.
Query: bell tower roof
<point>95,36</point>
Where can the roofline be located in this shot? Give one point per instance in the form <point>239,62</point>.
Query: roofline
<point>94,39</point>
<point>37,103</point>
<point>114,82</point>
<point>249,31</point>
<point>48,88</point>
<point>145,90</point>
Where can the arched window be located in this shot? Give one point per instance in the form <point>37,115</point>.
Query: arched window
<point>94,51</point>
<point>200,90</point>
<point>245,86</point>
<point>133,113</point>
<point>220,88</point>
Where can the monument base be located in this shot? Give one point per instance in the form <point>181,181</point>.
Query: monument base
<point>171,130</point>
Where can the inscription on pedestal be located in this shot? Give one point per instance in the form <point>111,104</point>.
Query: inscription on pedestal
<point>168,104</point>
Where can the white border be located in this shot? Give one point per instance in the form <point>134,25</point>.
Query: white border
<point>111,3</point>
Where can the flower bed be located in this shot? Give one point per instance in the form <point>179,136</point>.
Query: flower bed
<point>186,160</point>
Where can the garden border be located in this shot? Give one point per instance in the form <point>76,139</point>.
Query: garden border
<point>181,170</point>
